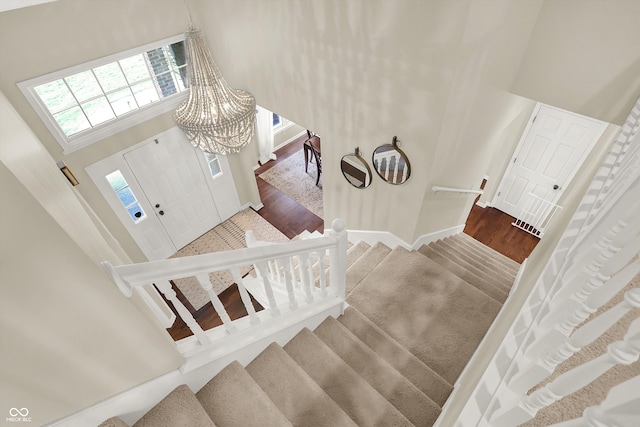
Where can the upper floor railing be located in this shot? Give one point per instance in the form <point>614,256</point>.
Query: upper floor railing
<point>330,248</point>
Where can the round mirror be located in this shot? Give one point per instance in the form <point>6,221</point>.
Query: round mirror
<point>391,163</point>
<point>356,170</point>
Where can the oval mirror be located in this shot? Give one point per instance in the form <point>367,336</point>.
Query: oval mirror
<point>391,163</point>
<point>356,170</point>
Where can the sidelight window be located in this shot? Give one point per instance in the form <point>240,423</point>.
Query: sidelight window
<point>125,194</point>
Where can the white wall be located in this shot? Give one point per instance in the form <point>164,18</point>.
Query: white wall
<point>584,57</point>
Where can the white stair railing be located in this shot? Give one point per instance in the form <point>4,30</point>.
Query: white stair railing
<point>595,258</point>
<point>536,215</point>
<point>619,409</point>
<point>623,352</point>
<point>160,273</point>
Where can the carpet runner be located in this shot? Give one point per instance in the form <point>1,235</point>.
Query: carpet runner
<point>390,360</point>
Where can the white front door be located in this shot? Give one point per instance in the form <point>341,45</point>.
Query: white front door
<point>193,191</point>
<point>168,170</point>
<point>552,148</point>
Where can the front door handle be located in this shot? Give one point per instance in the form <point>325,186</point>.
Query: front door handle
<point>161,212</point>
<point>555,187</point>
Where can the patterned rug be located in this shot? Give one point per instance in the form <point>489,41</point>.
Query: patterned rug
<point>224,237</point>
<point>289,177</point>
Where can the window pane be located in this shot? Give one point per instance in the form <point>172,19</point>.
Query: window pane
<point>110,76</point>
<point>56,96</point>
<point>135,68</point>
<point>181,79</point>
<point>84,85</point>
<point>145,93</point>
<point>116,180</point>
<point>177,53</point>
<point>214,165</point>
<point>276,120</point>
<point>136,212</point>
<point>98,111</point>
<point>122,101</point>
<point>72,121</point>
<point>126,196</point>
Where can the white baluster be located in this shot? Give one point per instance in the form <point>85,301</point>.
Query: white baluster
<point>288,278</point>
<point>588,333</point>
<point>396,167</point>
<point>183,312</point>
<point>305,272</point>
<point>205,283</point>
<point>322,274</point>
<point>244,296</point>
<point>619,409</point>
<point>575,313</point>
<point>623,352</point>
<point>273,308</point>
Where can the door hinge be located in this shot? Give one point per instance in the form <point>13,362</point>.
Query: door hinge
<point>514,159</point>
<point>534,119</point>
<point>499,192</point>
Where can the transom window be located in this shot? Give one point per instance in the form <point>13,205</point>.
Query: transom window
<point>107,93</point>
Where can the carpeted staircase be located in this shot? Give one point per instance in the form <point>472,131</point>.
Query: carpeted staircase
<point>414,321</point>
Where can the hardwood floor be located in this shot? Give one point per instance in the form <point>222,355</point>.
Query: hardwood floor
<point>488,225</point>
<point>493,228</point>
<point>282,212</point>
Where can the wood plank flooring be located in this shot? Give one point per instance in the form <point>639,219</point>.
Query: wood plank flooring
<point>490,226</point>
<point>493,228</point>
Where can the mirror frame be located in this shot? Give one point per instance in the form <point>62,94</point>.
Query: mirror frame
<point>392,146</point>
<point>357,155</point>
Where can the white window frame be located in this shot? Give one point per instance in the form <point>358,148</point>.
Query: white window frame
<point>90,136</point>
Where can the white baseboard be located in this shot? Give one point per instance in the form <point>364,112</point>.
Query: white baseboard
<point>371,237</point>
<point>252,206</point>
<point>425,239</point>
<point>481,204</point>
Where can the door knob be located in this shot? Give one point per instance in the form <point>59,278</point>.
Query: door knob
<point>157,205</point>
<point>161,212</point>
<point>555,187</point>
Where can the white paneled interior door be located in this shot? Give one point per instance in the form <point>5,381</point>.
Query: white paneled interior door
<point>168,170</point>
<point>553,147</point>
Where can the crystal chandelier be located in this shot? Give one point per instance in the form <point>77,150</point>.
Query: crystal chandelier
<point>215,117</point>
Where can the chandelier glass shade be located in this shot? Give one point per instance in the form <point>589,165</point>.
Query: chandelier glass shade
<point>215,117</point>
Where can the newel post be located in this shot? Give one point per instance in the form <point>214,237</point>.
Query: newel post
<point>338,258</point>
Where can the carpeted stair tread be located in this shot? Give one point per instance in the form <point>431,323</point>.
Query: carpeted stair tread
<point>484,257</point>
<point>499,276</point>
<point>495,280</point>
<point>113,422</point>
<point>421,375</point>
<point>425,307</point>
<point>398,390</point>
<point>297,396</point>
<point>356,251</point>
<point>180,408</point>
<point>363,265</point>
<point>351,392</point>
<point>505,260</point>
<point>233,398</point>
<point>353,254</point>
<point>486,287</point>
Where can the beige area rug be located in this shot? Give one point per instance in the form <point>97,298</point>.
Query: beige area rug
<point>224,237</point>
<point>289,177</point>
